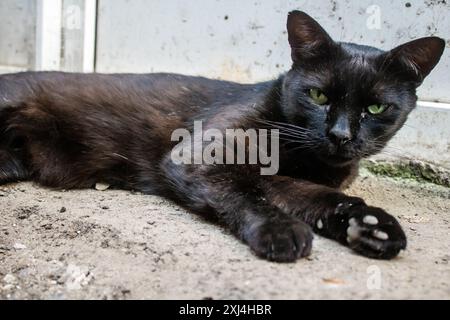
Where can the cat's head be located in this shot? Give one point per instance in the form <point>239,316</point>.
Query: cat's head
<point>351,99</point>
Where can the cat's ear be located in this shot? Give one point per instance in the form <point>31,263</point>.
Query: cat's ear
<point>418,57</point>
<point>306,37</point>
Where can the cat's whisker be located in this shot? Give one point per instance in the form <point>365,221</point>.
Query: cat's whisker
<point>117,155</point>
<point>286,131</point>
<point>299,142</point>
<point>398,155</point>
<point>294,135</point>
<point>410,126</point>
<point>290,129</point>
<point>301,139</point>
<point>392,150</point>
<point>284,124</point>
<point>293,126</point>
<point>387,153</point>
<point>275,126</point>
<point>303,148</point>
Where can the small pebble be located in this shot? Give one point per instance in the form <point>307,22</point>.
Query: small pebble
<point>19,246</point>
<point>62,210</point>
<point>10,279</point>
<point>47,226</point>
<point>102,186</point>
<point>8,287</point>
<point>319,224</point>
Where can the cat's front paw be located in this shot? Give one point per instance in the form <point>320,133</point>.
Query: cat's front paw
<point>374,233</point>
<point>281,240</point>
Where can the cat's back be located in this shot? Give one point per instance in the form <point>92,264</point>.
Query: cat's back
<point>163,91</point>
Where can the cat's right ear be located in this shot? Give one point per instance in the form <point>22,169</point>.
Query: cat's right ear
<point>306,37</point>
<point>417,57</point>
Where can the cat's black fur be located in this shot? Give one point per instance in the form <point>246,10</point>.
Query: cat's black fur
<point>74,130</point>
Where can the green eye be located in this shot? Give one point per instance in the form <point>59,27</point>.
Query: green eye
<point>377,108</point>
<point>318,96</point>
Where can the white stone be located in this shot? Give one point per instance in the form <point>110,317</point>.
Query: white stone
<point>319,224</point>
<point>19,246</point>
<point>76,277</point>
<point>100,186</point>
<point>8,287</point>
<point>9,279</point>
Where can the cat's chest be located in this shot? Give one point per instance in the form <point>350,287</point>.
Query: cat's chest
<point>304,167</point>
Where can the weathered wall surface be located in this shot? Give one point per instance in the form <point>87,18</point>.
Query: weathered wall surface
<point>246,40</point>
<point>231,39</point>
<point>425,137</point>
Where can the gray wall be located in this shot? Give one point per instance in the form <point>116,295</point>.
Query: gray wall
<point>246,41</point>
<point>239,40</point>
<point>17,32</point>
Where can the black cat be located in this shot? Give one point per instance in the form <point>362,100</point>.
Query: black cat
<point>339,103</point>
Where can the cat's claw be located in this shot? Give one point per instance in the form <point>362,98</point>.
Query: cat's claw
<point>281,241</point>
<point>374,233</point>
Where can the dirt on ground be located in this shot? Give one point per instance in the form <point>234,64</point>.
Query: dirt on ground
<point>122,245</point>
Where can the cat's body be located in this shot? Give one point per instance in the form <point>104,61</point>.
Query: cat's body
<point>116,110</point>
<point>127,122</point>
<point>73,131</point>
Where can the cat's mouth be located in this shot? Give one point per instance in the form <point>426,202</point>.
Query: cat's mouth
<point>338,158</point>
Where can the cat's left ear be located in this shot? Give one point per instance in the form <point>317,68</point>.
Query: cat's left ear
<point>307,38</point>
<point>418,57</point>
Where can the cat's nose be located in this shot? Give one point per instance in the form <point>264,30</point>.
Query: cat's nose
<point>340,133</point>
<point>340,137</point>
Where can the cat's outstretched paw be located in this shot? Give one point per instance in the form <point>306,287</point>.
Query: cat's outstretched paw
<point>374,233</point>
<point>281,241</point>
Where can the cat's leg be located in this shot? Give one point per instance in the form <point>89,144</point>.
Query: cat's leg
<point>234,197</point>
<point>12,168</point>
<point>368,230</point>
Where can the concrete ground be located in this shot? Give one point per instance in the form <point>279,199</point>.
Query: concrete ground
<point>120,245</point>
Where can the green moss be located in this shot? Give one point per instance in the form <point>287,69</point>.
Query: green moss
<point>414,170</point>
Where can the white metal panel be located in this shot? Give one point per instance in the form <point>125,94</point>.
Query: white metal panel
<point>89,35</point>
<point>78,35</point>
<point>425,136</point>
<point>246,40</point>
<point>48,35</point>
